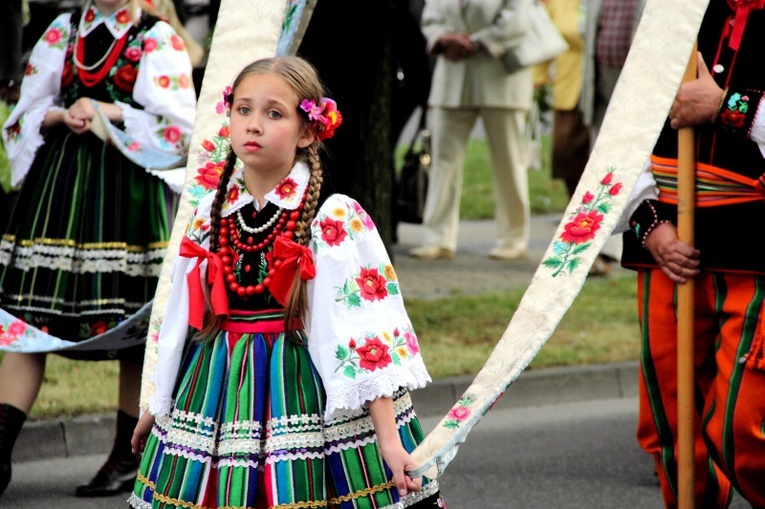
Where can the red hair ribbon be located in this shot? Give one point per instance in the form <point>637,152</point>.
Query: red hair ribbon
<point>215,281</point>
<point>292,256</point>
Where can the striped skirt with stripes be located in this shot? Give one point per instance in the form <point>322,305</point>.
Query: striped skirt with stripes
<point>86,240</point>
<point>247,431</point>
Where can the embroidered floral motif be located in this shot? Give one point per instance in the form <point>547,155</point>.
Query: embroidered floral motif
<point>180,81</point>
<point>736,108</point>
<point>341,223</point>
<point>57,36</point>
<point>286,189</point>
<point>460,412</point>
<point>13,332</point>
<point>582,226</point>
<point>369,284</point>
<point>223,104</point>
<point>154,327</point>
<point>125,77</point>
<point>375,352</point>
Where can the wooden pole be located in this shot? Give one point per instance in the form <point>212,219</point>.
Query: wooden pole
<point>686,200</point>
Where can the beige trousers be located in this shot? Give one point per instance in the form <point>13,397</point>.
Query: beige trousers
<point>451,128</point>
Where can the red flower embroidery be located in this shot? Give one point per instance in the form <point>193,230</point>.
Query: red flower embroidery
<point>90,15</point>
<point>371,284</point>
<point>332,232</point>
<point>615,189</point>
<point>52,36</point>
<point>588,197</point>
<point>582,228</point>
<point>183,81</point>
<point>608,178</point>
<point>286,188</point>
<point>172,134</point>
<point>374,354</point>
<point>17,328</point>
<point>233,194</point>
<point>99,328</point>
<point>149,45</point>
<point>733,118</point>
<point>125,78</point>
<point>177,43</point>
<point>459,413</point>
<point>208,145</point>
<point>163,81</point>
<point>133,54</point>
<point>352,343</point>
<point>224,131</point>
<point>123,17</point>
<point>209,175</point>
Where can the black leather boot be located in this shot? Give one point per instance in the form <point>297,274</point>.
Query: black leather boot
<point>11,420</point>
<point>118,474</point>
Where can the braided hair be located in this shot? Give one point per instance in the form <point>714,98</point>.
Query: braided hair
<point>302,77</point>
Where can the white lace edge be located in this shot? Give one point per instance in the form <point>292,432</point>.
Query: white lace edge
<point>341,402</point>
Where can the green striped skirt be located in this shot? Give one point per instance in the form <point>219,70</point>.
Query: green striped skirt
<point>247,431</point>
<point>86,240</point>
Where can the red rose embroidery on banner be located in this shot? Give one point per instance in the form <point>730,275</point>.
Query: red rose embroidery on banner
<point>209,175</point>
<point>371,284</point>
<point>332,232</point>
<point>373,355</point>
<point>582,228</point>
<point>125,78</point>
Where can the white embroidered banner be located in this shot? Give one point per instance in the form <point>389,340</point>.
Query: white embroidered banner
<point>644,93</point>
<point>246,30</point>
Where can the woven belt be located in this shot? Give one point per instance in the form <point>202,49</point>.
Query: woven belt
<point>714,186</point>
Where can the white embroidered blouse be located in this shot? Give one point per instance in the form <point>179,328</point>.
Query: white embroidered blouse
<point>163,86</point>
<point>360,337</point>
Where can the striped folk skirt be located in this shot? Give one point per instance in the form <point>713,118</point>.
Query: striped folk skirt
<point>247,431</point>
<point>86,240</point>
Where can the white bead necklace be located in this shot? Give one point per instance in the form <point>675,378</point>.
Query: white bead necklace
<point>259,229</point>
<point>98,64</point>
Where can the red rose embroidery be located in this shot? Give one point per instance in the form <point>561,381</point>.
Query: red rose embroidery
<point>371,284</point>
<point>90,15</point>
<point>208,145</point>
<point>733,118</point>
<point>163,81</point>
<point>286,188</point>
<point>149,45</point>
<point>133,54</point>
<point>332,232</point>
<point>373,355</point>
<point>233,194</point>
<point>224,131</point>
<point>172,134</point>
<point>177,43</point>
<point>123,17</point>
<point>582,228</point>
<point>183,81</point>
<point>52,36</point>
<point>209,175</point>
<point>125,78</point>
<point>615,189</point>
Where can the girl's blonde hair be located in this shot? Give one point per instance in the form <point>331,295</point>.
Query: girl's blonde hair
<point>302,77</point>
<point>165,10</point>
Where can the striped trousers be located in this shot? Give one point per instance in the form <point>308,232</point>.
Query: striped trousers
<point>729,385</point>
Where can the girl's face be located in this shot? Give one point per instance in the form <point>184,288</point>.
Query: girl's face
<point>266,127</point>
<point>108,7</point>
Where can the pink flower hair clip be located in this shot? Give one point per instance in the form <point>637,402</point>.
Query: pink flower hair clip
<point>325,116</point>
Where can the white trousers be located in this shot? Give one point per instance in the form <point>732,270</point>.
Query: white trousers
<point>451,128</point>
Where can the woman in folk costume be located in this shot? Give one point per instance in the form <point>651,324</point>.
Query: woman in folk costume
<point>87,238</point>
<point>292,391</point>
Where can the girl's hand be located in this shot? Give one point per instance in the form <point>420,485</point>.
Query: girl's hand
<point>141,432</point>
<point>79,115</point>
<point>677,260</point>
<point>400,461</point>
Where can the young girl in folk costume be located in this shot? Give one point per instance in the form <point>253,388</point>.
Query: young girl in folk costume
<point>293,389</point>
<point>88,235</point>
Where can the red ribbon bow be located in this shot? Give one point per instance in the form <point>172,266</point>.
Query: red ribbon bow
<point>215,281</point>
<point>292,255</point>
<point>742,9</point>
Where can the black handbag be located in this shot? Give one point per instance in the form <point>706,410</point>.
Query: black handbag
<point>413,178</point>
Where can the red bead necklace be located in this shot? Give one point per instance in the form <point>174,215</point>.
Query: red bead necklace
<point>231,246</point>
<point>90,79</point>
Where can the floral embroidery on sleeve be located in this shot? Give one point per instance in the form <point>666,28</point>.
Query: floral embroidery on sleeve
<point>374,352</point>
<point>370,284</point>
<point>342,222</point>
<point>57,36</point>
